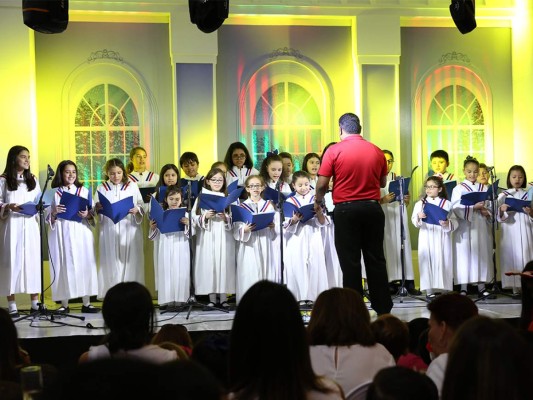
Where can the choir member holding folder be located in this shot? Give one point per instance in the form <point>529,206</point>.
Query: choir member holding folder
<point>516,238</point>
<point>137,172</point>
<point>431,216</point>
<point>169,229</point>
<point>253,229</point>
<point>120,205</point>
<point>71,242</point>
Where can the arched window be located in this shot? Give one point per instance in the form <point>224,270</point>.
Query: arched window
<point>106,126</point>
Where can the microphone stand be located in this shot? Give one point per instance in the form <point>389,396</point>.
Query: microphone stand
<point>281,200</point>
<point>42,310</point>
<point>191,301</point>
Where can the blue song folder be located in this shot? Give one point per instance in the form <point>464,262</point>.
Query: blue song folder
<point>218,203</point>
<point>233,186</point>
<point>517,204</point>
<point>261,220</point>
<point>449,188</point>
<point>146,193</point>
<point>308,211</point>
<point>196,186</point>
<point>168,221</point>
<point>471,198</point>
<point>394,187</point>
<point>272,194</point>
<point>73,204</point>
<point>434,214</point>
<point>30,207</point>
<point>115,211</point>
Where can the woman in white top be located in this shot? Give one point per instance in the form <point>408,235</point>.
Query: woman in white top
<point>343,347</point>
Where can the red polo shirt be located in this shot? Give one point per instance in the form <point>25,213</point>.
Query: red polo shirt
<point>356,166</point>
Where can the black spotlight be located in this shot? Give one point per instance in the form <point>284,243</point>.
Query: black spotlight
<point>464,15</point>
<point>208,15</point>
<point>45,16</point>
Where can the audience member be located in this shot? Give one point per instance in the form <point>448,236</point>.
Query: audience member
<point>392,333</point>
<point>174,333</point>
<point>343,347</point>
<point>12,357</point>
<point>128,314</point>
<point>212,351</point>
<point>269,351</point>
<point>489,360</point>
<point>399,383</point>
<point>417,357</point>
<point>448,312</point>
<point>526,317</point>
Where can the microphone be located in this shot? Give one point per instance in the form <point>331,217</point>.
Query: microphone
<point>50,171</point>
<point>278,185</point>
<point>490,168</point>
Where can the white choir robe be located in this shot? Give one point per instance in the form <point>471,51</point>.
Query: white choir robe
<point>72,258</point>
<point>304,261</point>
<point>172,262</point>
<point>392,243</point>
<point>239,174</point>
<point>516,239</point>
<point>255,250</point>
<point>214,261</point>
<point>333,265</point>
<point>472,240</point>
<point>20,262</point>
<point>121,244</point>
<point>435,256</point>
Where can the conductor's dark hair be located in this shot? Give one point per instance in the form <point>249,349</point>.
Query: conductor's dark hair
<point>58,177</point>
<point>269,348</point>
<point>248,163</point>
<point>128,314</point>
<point>10,171</point>
<point>350,123</point>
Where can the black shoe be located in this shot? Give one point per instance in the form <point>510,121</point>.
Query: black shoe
<point>14,314</point>
<point>414,292</point>
<point>62,310</point>
<point>209,306</point>
<point>163,307</point>
<point>486,295</point>
<point>225,305</point>
<point>90,309</point>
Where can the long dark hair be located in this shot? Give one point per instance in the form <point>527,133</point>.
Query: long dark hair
<point>161,181</point>
<point>58,177</point>
<point>307,157</point>
<point>128,313</point>
<point>266,162</point>
<point>248,163</point>
<point>10,357</point>
<point>269,351</point>
<point>520,169</point>
<point>10,171</point>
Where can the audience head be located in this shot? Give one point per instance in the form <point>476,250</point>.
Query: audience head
<point>488,360</point>
<point>340,318</point>
<point>128,314</point>
<point>399,383</point>
<point>526,317</point>
<point>448,312</point>
<point>212,351</point>
<point>392,333</point>
<point>174,333</point>
<point>10,356</point>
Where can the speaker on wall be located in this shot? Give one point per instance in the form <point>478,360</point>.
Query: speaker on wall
<point>45,16</point>
<point>463,13</point>
<point>208,15</point>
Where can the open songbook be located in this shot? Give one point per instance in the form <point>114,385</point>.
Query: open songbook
<point>434,214</point>
<point>168,221</point>
<point>471,198</point>
<point>261,220</point>
<point>218,203</point>
<point>115,211</point>
<point>517,204</point>
<point>146,193</point>
<point>394,187</point>
<point>74,204</point>
<point>307,211</point>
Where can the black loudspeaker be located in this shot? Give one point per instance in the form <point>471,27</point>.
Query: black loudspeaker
<point>463,13</point>
<point>45,16</point>
<point>208,15</point>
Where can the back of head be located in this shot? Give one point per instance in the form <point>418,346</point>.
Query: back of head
<point>186,380</point>
<point>488,360</point>
<point>9,347</point>
<point>350,123</point>
<point>392,333</point>
<point>212,351</point>
<point>340,318</point>
<point>174,333</point>
<point>128,313</point>
<point>399,383</point>
<point>452,308</point>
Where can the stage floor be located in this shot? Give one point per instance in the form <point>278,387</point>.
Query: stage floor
<point>405,308</point>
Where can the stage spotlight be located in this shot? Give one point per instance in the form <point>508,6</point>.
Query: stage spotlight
<point>208,15</point>
<point>464,15</point>
<point>45,16</point>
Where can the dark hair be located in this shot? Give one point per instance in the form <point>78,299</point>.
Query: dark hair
<point>306,159</point>
<point>340,318</point>
<point>217,164</point>
<point>246,183</point>
<point>452,308</point>
<point>285,154</point>
<point>212,351</point>
<point>174,333</point>
<point>526,316</point>
<point>172,189</point>
<point>392,333</point>
<point>269,350</point>
<point>440,183</point>
<point>234,146</point>
<point>129,166</point>
<point>58,177</point>
<point>400,383</point>
<point>188,157</point>
<point>212,172</point>
<point>470,160</point>
<point>299,174</point>
<point>440,154</point>
<point>482,165</point>
<point>350,123</point>
<point>115,162</point>
<point>128,313</point>
<point>266,162</point>
<point>521,170</point>
<point>10,171</point>
<point>161,181</point>
<point>489,360</point>
<point>389,153</point>
<point>10,357</point>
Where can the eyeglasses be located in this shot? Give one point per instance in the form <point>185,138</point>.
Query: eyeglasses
<point>238,156</point>
<point>431,187</point>
<point>254,186</point>
<point>216,180</point>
